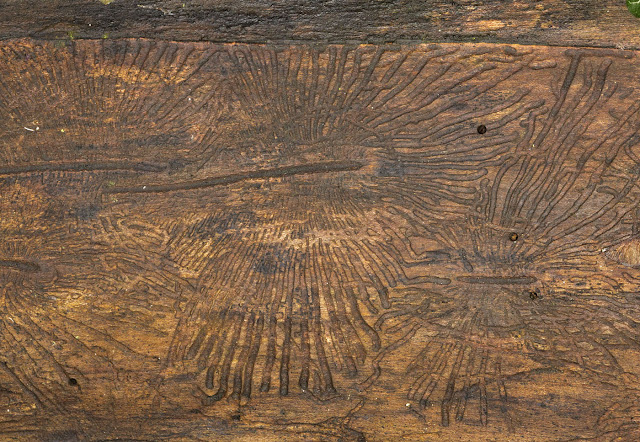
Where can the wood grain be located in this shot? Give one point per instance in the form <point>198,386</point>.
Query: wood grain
<point>601,23</point>
<point>329,242</point>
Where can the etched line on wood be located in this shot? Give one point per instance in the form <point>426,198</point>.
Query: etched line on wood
<point>497,280</point>
<point>81,167</point>
<point>276,172</point>
<point>456,231</point>
<point>26,266</point>
<point>559,189</point>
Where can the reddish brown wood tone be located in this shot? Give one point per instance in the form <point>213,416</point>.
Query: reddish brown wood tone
<point>322,242</point>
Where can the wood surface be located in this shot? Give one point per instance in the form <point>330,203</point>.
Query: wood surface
<point>602,23</point>
<point>205,241</point>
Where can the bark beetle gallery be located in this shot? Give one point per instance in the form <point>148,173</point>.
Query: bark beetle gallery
<point>192,227</point>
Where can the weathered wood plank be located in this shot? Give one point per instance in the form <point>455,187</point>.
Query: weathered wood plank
<point>337,242</point>
<point>602,23</point>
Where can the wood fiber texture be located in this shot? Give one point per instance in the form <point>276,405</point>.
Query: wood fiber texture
<point>601,23</point>
<point>340,242</point>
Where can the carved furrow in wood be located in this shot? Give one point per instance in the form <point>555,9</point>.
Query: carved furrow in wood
<point>444,234</point>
